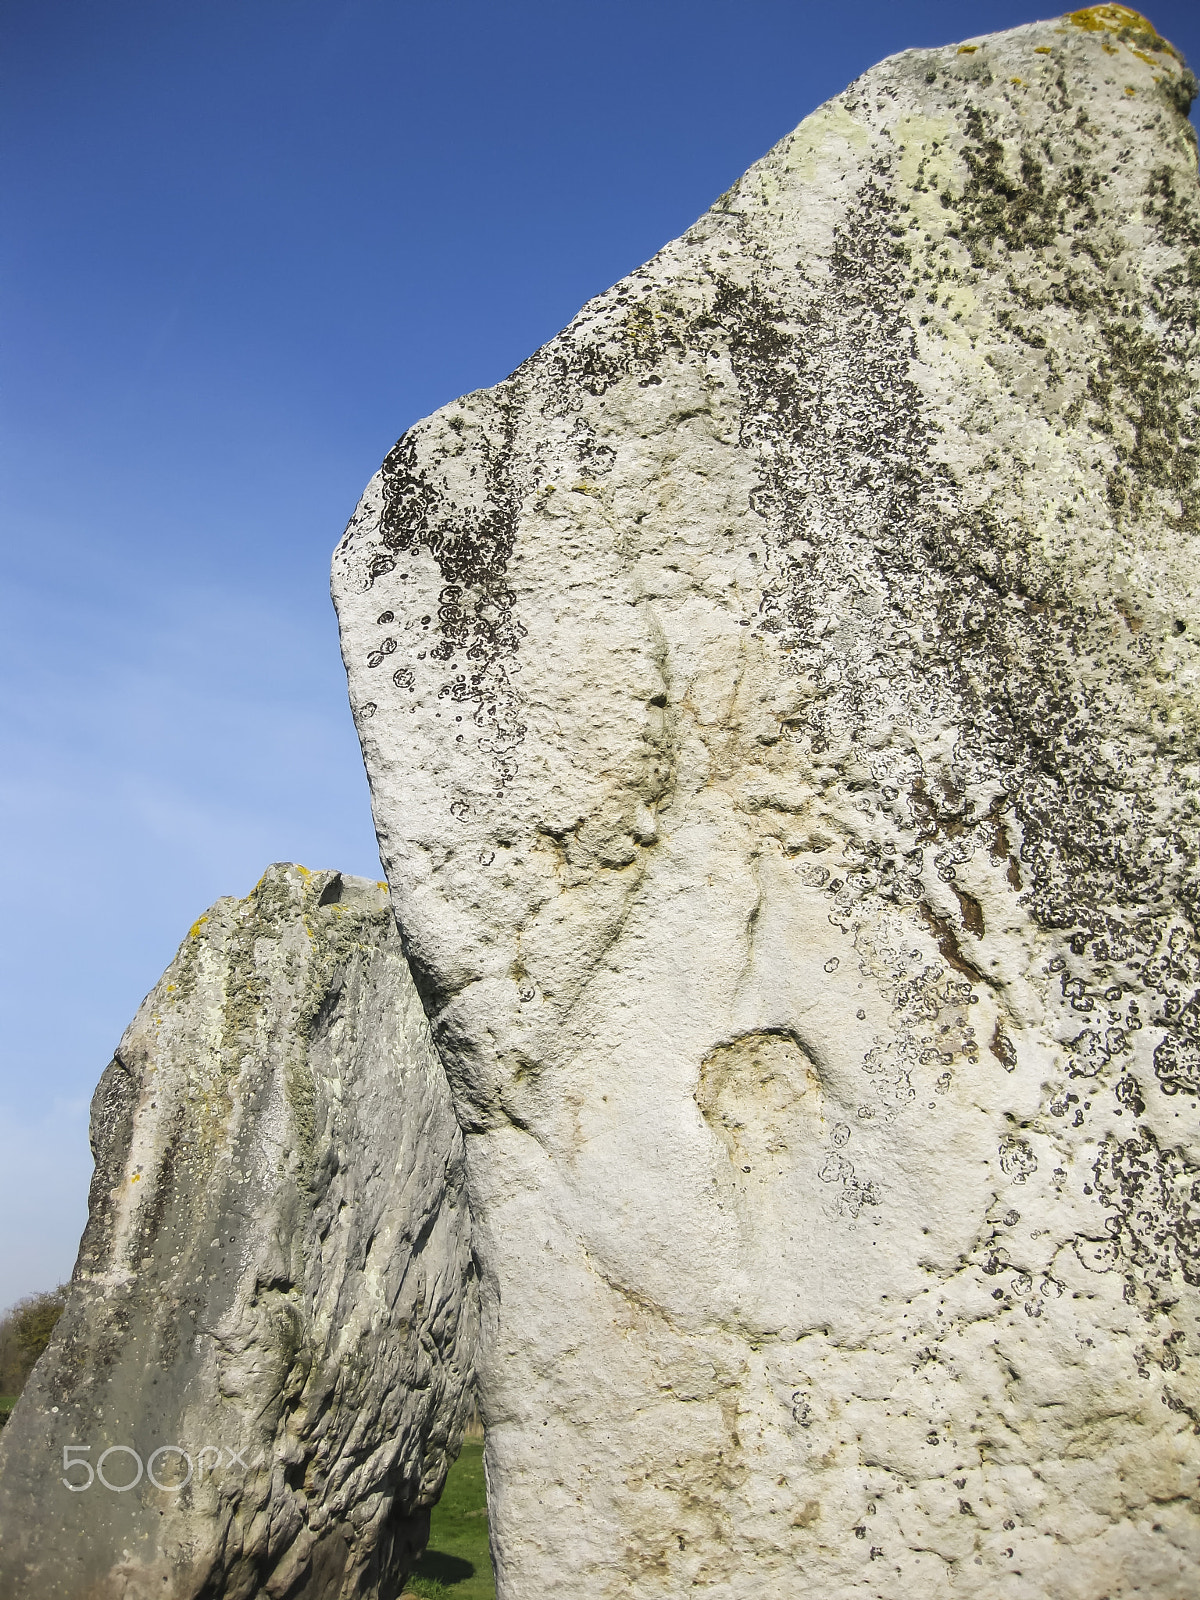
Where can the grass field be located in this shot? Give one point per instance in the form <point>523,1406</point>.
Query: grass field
<point>456,1564</point>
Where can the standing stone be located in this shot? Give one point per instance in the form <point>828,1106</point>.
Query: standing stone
<point>265,1362</point>
<point>781,703</point>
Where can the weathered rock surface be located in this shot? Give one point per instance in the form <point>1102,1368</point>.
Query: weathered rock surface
<point>781,705</point>
<point>275,1279</point>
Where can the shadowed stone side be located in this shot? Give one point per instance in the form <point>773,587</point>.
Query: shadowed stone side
<point>781,699</point>
<point>275,1279</point>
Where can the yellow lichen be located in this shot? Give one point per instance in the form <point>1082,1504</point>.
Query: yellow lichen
<point>1095,17</point>
<point>1042,50</point>
<point>194,930</point>
<point>818,138</point>
<point>967,49</point>
<point>1126,23</point>
<point>927,164</point>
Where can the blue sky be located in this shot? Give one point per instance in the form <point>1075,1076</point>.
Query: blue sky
<point>247,243</point>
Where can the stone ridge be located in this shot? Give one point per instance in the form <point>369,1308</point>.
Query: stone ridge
<point>275,1279</point>
<point>780,704</point>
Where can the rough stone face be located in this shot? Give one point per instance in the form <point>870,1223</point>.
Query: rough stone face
<point>275,1279</point>
<point>780,702</point>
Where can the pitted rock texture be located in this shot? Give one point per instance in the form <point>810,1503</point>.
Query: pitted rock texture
<point>781,706</point>
<point>275,1279</point>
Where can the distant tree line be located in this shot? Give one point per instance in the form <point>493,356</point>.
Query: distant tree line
<point>24,1333</point>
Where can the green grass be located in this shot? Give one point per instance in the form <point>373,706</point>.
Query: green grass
<point>456,1564</point>
<point>7,1402</point>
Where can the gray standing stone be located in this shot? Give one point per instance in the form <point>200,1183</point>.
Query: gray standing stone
<point>781,699</point>
<point>270,1333</point>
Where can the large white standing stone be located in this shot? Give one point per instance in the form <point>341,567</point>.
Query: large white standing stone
<point>266,1359</point>
<point>780,699</point>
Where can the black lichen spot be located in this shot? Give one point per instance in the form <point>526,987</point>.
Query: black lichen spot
<point>472,550</point>
<point>1003,1049</point>
<point>1154,1194</point>
<point>1016,208</point>
<point>1177,1063</point>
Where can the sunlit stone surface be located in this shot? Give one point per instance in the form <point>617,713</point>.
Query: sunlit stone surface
<point>780,703</point>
